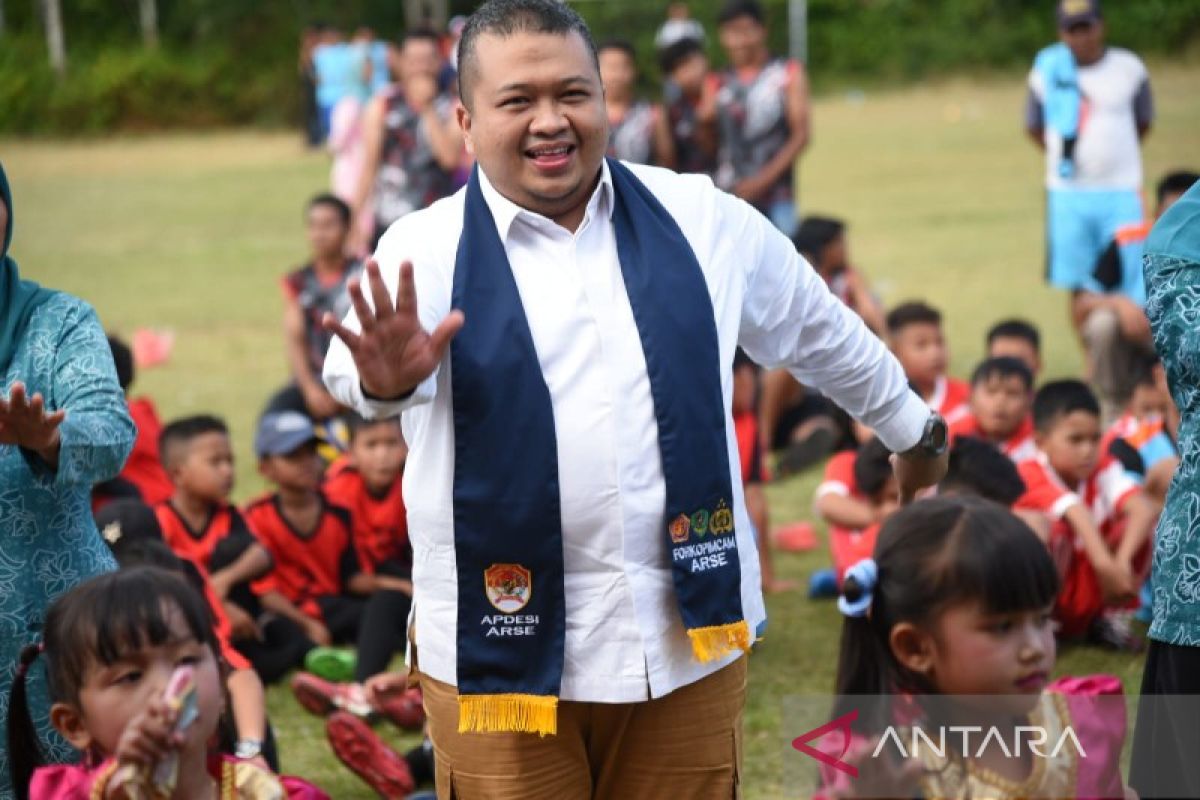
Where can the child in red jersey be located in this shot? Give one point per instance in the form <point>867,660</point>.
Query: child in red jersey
<point>367,482</point>
<point>1019,339</point>
<point>200,525</point>
<point>1001,400</point>
<point>915,336</point>
<point>754,472</point>
<point>317,580</point>
<point>859,492</point>
<point>1141,437</point>
<point>143,475</point>
<point>1101,520</point>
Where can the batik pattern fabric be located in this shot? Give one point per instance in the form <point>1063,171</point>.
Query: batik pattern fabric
<point>48,540</point>
<point>1173,307</point>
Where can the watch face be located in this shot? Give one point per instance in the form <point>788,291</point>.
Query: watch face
<point>937,435</point>
<point>247,749</point>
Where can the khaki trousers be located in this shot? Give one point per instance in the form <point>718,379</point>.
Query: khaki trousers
<point>686,745</point>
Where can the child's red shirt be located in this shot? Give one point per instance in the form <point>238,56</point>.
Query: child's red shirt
<point>307,564</point>
<point>380,524</point>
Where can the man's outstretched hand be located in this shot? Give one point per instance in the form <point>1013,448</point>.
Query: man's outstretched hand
<point>393,352</point>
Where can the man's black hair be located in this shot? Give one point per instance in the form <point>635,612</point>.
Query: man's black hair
<point>1176,182</point>
<point>504,18</point>
<point>1016,329</point>
<point>1060,398</point>
<point>333,201</point>
<point>912,313</point>
<point>735,9</point>
<point>123,360</point>
<point>815,234</point>
<point>1003,367</point>
<point>979,468</point>
<point>675,54</point>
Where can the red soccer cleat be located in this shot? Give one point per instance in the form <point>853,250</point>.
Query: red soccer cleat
<point>322,697</point>
<point>367,756</point>
<point>407,709</point>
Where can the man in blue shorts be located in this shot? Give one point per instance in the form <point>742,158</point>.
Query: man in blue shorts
<point>1089,107</point>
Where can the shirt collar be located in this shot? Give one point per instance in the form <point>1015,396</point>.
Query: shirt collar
<point>505,211</point>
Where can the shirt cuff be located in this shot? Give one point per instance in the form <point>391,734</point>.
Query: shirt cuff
<point>904,427</point>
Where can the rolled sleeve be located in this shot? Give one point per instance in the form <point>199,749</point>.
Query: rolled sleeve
<point>791,319</point>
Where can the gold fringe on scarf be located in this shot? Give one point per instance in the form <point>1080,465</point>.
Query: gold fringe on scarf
<point>717,641</point>
<point>520,713</point>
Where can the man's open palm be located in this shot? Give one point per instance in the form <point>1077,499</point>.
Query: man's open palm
<point>393,352</point>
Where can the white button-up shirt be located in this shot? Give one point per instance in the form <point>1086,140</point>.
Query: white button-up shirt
<point>625,639</point>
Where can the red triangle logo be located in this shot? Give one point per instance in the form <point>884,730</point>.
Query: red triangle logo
<point>842,724</point>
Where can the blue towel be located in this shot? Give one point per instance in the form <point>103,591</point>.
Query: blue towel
<point>1062,100</point>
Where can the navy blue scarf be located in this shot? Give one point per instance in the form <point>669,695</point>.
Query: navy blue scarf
<point>507,517</point>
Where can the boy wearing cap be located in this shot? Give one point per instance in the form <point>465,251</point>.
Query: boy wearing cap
<point>317,581</point>
<point>1089,106</point>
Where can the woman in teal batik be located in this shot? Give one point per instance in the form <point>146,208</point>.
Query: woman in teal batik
<point>1167,739</point>
<point>63,427</point>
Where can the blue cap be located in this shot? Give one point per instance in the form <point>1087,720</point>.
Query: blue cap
<point>281,432</point>
<point>1074,12</point>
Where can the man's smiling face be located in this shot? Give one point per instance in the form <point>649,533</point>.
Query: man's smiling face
<point>534,118</point>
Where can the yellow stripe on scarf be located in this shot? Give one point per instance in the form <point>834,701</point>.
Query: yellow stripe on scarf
<point>718,641</point>
<point>498,713</point>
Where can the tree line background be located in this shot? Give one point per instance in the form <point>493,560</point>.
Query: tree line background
<point>90,66</point>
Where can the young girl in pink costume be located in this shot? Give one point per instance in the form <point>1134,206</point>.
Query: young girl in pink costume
<point>948,627</point>
<point>110,647</point>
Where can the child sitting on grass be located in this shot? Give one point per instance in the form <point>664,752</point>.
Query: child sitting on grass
<point>1140,439</point>
<point>1001,401</point>
<point>143,475</point>
<point>949,626</point>
<point>199,524</point>
<point>316,580</point>
<point>367,482</point>
<point>915,337</point>
<point>753,466</point>
<point>858,494</point>
<point>132,532</point>
<point>112,646</point>
<point>1101,520</point>
<point>1019,339</point>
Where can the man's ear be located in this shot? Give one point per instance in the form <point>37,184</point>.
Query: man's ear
<point>463,115</point>
<point>68,721</point>
<point>912,647</point>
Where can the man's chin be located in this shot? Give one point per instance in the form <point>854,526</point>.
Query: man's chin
<point>553,197</point>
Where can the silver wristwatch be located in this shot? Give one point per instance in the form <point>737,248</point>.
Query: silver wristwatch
<point>248,748</point>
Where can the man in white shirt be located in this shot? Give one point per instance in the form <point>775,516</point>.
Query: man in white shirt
<point>1089,106</point>
<point>640,714</point>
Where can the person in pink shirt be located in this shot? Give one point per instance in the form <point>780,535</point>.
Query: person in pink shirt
<point>135,682</point>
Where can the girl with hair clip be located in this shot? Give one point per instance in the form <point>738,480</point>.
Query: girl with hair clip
<point>943,676</point>
<point>115,648</point>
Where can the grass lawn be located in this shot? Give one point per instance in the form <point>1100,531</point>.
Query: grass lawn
<point>193,232</point>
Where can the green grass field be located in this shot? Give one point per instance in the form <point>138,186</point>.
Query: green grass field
<point>192,233</point>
